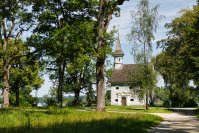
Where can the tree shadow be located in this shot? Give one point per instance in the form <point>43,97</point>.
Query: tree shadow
<point>119,125</point>
<point>184,111</point>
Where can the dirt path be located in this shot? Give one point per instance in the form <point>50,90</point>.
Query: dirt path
<point>182,121</point>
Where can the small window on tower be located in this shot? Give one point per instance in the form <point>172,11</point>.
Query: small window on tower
<point>119,59</point>
<point>116,100</point>
<point>117,88</point>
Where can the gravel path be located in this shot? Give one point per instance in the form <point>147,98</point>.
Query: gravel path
<point>182,120</point>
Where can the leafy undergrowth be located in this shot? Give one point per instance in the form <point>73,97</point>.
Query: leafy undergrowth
<point>55,120</point>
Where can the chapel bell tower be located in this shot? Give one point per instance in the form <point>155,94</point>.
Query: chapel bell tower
<point>118,54</point>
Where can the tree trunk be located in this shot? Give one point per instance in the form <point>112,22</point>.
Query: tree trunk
<point>60,87</point>
<point>104,17</point>
<point>145,67</point>
<point>17,97</point>
<point>100,85</point>
<point>76,98</point>
<point>147,101</point>
<point>6,85</point>
<point>61,83</point>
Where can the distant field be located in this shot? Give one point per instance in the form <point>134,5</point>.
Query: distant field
<point>56,120</point>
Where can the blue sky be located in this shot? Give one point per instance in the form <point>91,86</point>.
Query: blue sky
<point>169,8</point>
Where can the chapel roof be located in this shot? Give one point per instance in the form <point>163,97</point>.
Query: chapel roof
<point>123,74</point>
<point>118,50</point>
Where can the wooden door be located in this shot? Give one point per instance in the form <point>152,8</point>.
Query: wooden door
<point>123,101</point>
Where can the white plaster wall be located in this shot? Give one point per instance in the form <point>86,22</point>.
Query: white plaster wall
<point>123,91</point>
<point>117,66</point>
<point>118,62</point>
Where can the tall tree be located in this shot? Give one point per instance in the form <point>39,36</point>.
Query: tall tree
<point>25,72</point>
<point>106,9</point>
<point>24,75</point>
<point>80,68</point>
<point>181,45</point>
<point>144,24</point>
<point>180,53</point>
<point>15,18</point>
<point>57,33</point>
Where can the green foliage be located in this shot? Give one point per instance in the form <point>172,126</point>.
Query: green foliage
<point>67,38</point>
<point>90,97</point>
<point>24,74</point>
<point>1,99</point>
<point>143,79</point>
<point>144,24</point>
<point>162,95</point>
<point>15,19</point>
<point>178,63</point>
<point>69,120</point>
<point>181,45</point>
<point>108,97</point>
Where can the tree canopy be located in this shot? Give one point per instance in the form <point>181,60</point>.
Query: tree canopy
<point>179,62</point>
<point>144,23</point>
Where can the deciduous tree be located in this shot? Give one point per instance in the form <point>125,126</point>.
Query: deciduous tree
<point>60,31</point>
<point>15,18</point>
<point>144,24</point>
<point>107,8</point>
<point>179,61</point>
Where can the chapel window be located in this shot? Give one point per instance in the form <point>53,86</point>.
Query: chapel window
<point>131,99</point>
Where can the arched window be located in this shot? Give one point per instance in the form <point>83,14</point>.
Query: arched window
<point>116,100</point>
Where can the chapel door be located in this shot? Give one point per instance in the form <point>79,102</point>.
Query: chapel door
<point>123,101</point>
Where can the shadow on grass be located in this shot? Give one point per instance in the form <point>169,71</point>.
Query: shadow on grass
<point>185,111</point>
<point>120,125</point>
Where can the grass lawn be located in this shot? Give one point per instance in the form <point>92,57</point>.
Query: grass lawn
<point>56,120</point>
<point>138,109</point>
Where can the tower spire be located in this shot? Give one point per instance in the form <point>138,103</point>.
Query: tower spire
<point>118,54</point>
<point>118,50</point>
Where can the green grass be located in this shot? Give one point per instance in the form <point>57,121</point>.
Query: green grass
<point>138,109</point>
<point>65,120</point>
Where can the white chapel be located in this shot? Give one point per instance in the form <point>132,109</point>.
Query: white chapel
<point>122,91</point>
